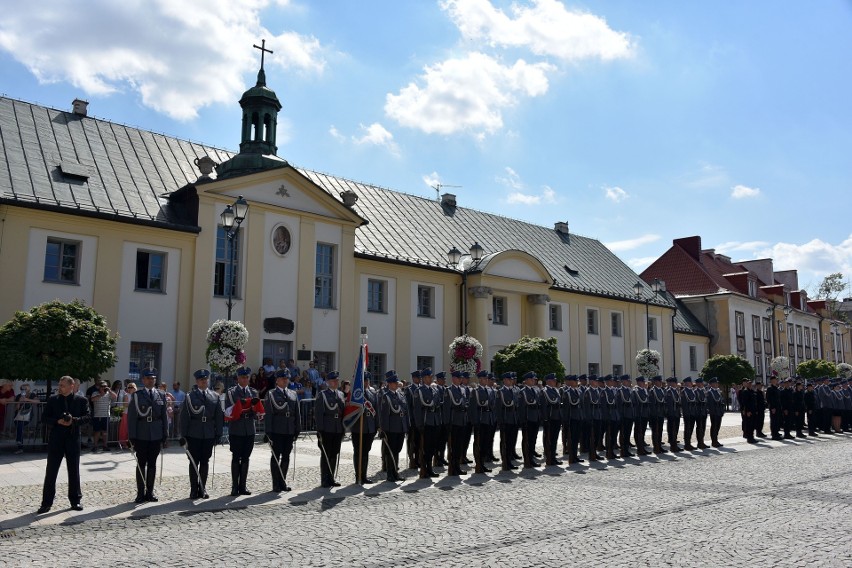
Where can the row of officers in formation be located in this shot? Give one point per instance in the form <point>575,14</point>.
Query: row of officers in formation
<point>436,422</point>
<point>822,404</point>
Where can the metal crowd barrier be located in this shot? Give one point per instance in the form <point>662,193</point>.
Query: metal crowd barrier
<point>34,433</point>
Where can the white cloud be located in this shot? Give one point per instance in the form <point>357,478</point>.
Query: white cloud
<point>641,263</point>
<point>466,94</point>
<point>518,195</point>
<point>730,247</point>
<point>743,192</point>
<point>335,133</point>
<point>547,195</point>
<point>433,180</point>
<point>615,194</point>
<point>377,135</point>
<point>630,244</point>
<point>179,56</point>
<point>706,176</point>
<point>546,28</point>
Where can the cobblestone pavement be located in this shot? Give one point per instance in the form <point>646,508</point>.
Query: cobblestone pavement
<point>773,504</point>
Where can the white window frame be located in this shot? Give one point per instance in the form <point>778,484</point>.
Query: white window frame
<point>592,322</point>
<point>62,244</point>
<point>425,301</point>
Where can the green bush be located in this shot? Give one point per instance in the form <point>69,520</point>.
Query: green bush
<point>729,369</point>
<point>530,354</point>
<point>816,368</point>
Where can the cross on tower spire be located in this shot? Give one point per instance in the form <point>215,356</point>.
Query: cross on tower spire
<point>263,51</point>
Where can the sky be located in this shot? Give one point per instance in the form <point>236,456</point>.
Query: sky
<point>637,123</point>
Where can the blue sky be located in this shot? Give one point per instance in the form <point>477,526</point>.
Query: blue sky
<point>635,122</point>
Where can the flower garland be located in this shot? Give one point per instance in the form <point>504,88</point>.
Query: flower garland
<point>844,370</point>
<point>780,367</point>
<point>225,342</point>
<point>465,353</point>
<point>648,362</point>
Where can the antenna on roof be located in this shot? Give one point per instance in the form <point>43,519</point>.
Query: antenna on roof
<point>437,187</point>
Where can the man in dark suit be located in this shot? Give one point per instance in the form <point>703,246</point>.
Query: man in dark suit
<point>63,413</point>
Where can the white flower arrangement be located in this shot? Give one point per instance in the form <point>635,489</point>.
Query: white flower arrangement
<point>225,342</point>
<point>844,370</point>
<point>465,354</point>
<point>780,367</point>
<point>648,362</point>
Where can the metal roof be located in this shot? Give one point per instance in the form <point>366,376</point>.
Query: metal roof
<point>63,161</point>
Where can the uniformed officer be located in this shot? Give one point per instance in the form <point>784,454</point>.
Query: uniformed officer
<point>701,411</point>
<point>530,419</point>
<point>468,430</point>
<point>550,402</point>
<point>508,420</point>
<point>609,405</point>
<point>201,421</point>
<point>328,409</point>
<point>282,423</point>
<point>673,413</point>
<point>592,410</point>
<point>582,386</point>
<point>427,416</point>
<point>689,404</point>
<point>716,410</point>
<point>147,427</point>
<point>760,409</point>
<point>482,417</point>
<point>414,435</point>
<point>657,396</point>
<point>798,409</point>
<point>810,400</point>
<point>773,401</point>
<point>640,397</point>
<point>492,430</point>
<point>786,408</point>
<point>440,384</point>
<point>455,412</point>
<point>572,417</point>
<point>393,424</point>
<point>363,436</point>
<point>627,412</point>
<point>242,407</point>
<point>747,410</point>
<point>63,412</point>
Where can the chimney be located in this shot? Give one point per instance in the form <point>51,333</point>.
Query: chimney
<point>79,106</point>
<point>692,246</point>
<point>561,227</point>
<point>448,200</point>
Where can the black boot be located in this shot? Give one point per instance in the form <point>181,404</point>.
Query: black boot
<point>193,482</point>
<point>140,488</point>
<point>244,477</point>
<point>151,477</point>
<point>202,490</point>
<point>235,478</point>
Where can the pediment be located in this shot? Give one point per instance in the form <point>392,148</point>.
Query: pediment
<point>517,265</point>
<point>285,188</point>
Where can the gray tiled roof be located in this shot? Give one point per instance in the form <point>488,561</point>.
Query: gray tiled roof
<point>418,230</point>
<point>45,152</point>
<point>52,158</point>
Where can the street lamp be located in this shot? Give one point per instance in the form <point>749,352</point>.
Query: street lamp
<point>232,217</point>
<point>656,286</point>
<point>834,328</point>
<point>454,257</point>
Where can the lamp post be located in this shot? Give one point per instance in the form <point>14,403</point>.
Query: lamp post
<point>656,286</point>
<point>791,357</point>
<point>232,217</point>
<point>770,312</point>
<point>834,329</point>
<point>454,257</point>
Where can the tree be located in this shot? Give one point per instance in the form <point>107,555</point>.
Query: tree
<point>830,289</point>
<point>815,368</point>
<point>530,354</point>
<point>55,339</point>
<point>729,369</point>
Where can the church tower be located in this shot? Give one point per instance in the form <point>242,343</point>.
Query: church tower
<point>260,123</point>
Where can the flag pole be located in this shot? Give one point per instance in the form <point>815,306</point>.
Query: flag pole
<point>358,478</point>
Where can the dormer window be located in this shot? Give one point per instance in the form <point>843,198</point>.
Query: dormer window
<point>752,288</point>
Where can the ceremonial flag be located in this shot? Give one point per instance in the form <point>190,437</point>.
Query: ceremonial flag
<point>355,400</point>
